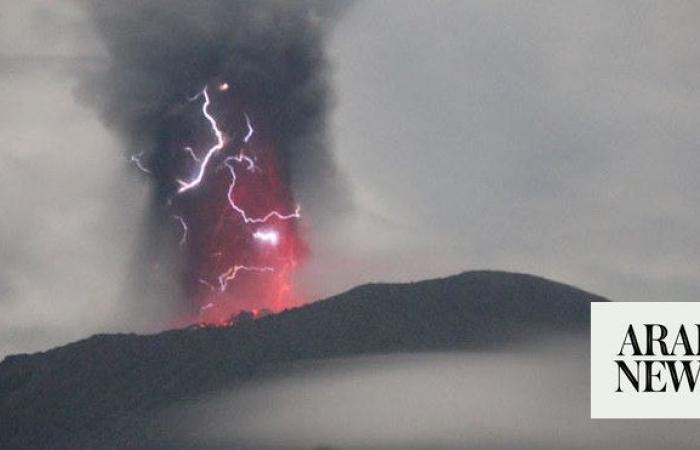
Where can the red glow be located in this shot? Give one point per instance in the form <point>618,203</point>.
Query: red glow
<point>219,241</point>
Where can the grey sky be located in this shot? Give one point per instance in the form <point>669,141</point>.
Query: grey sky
<point>70,204</point>
<point>553,139</point>
<point>550,138</point>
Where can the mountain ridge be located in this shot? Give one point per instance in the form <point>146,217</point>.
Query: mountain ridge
<point>106,388</point>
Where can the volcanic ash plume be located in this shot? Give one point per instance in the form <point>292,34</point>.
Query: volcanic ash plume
<point>222,105</point>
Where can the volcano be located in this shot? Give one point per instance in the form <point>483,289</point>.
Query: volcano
<point>104,392</point>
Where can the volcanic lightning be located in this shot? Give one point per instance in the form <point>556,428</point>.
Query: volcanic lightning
<point>293,215</point>
<point>250,132</point>
<point>192,154</point>
<point>232,272</point>
<point>242,157</point>
<point>136,159</point>
<point>186,186</point>
<point>233,118</point>
<point>277,258</point>
<point>185,229</point>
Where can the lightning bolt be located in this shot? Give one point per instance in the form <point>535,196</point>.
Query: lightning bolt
<point>206,283</point>
<point>232,169</point>
<point>232,272</point>
<point>187,185</point>
<point>203,163</point>
<point>242,157</point>
<point>136,159</point>
<point>250,132</point>
<point>191,152</point>
<point>185,229</point>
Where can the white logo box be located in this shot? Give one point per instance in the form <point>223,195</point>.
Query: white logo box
<point>614,394</point>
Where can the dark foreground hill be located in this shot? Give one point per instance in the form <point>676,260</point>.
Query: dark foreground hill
<point>103,391</point>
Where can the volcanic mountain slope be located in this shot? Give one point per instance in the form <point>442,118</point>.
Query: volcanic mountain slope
<point>102,391</point>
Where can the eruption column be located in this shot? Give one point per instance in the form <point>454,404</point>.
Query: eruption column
<point>261,81</point>
<point>237,221</point>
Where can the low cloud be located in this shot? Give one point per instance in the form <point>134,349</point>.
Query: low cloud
<point>535,397</point>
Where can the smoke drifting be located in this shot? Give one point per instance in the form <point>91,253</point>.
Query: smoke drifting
<point>178,73</point>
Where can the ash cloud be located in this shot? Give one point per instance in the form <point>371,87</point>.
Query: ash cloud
<point>162,51</point>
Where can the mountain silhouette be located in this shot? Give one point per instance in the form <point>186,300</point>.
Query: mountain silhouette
<point>102,392</point>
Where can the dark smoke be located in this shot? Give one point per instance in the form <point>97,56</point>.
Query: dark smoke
<point>162,50</point>
<point>272,55</point>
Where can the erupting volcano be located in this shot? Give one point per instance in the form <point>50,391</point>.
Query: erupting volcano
<point>237,218</point>
<point>223,105</point>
